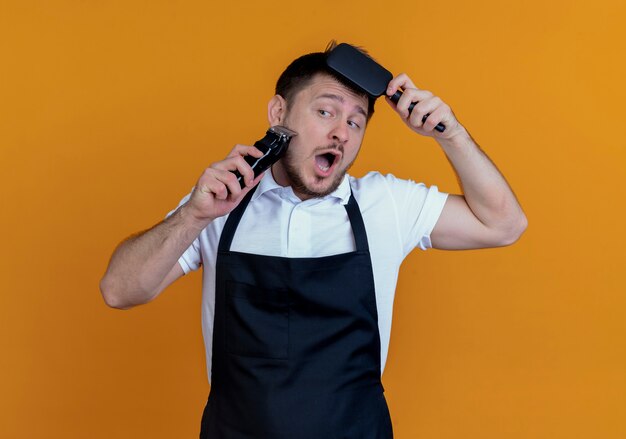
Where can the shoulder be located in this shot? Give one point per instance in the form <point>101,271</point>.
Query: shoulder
<point>389,195</point>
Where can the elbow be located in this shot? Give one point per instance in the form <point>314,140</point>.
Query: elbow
<point>111,297</point>
<point>514,233</point>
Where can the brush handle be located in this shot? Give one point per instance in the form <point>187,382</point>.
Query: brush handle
<point>396,97</point>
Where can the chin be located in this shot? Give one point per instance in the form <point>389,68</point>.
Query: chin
<point>322,186</point>
<point>310,184</point>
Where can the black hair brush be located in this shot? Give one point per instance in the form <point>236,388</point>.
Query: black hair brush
<point>365,74</point>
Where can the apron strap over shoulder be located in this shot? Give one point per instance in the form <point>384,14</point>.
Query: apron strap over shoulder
<point>232,221</point>
<point>358,227</point>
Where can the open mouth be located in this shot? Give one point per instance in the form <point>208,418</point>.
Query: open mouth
<point>325,161</point>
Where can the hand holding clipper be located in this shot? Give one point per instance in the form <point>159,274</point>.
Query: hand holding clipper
<point>273,147</point>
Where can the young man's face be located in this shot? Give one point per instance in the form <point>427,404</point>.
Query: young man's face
<point>330,121</point>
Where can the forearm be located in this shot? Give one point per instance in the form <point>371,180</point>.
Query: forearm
<point>140,264</point>
<point>485,189</point>
<point>144,264</point>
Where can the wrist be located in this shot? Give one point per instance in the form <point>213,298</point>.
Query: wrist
<point>459,139</point>
<point>191,219</point>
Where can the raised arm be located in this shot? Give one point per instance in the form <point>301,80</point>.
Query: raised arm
<point>487,214</point>
<point>145,264</point>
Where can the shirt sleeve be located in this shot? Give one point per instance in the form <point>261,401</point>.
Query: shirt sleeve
<point>418,207</point>
<point>191,259</point>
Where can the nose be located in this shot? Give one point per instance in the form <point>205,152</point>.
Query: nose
<point>339,132</point>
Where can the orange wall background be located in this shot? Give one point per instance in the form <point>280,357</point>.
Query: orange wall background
<point>110,110</point>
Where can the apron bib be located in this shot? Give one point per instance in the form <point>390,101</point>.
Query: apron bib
<point>296,346</point>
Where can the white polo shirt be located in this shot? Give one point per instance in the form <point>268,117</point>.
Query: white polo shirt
<point>399,215</point>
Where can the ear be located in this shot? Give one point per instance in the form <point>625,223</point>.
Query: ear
<point>276,110</point>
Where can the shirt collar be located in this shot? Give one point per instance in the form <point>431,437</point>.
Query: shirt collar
<point>268,184</point>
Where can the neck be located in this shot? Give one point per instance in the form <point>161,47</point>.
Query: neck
<point>279,174</point>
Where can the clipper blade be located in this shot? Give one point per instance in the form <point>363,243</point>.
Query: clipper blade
<point>283,131</point>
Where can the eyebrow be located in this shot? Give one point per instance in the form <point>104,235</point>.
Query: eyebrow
<point>340,99</point>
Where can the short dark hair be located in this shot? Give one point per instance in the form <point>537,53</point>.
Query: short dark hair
<point>302,70</point>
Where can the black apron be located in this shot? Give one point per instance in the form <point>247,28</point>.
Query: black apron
<point>296,347</point>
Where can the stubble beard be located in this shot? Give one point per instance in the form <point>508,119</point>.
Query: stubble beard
<point>297,182</point>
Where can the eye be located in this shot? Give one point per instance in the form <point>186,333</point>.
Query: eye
<point>323,113</point>
<point>353,124</point>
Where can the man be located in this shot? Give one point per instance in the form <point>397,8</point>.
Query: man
<point>300,266</point>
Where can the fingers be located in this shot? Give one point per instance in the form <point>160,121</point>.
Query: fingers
<point>439,114</point>
<point>243,150</point>
<point>219,183</point>
<point>411,96</point>
<point>400,82</point>
<point>425,104</point>
<point>218,191</point>
<point>235,162</point>
<point>219,180</point>
<point>425,107</point>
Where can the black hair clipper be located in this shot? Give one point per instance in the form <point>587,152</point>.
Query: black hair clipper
<point>366,74</point>
<point>273,147</point>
